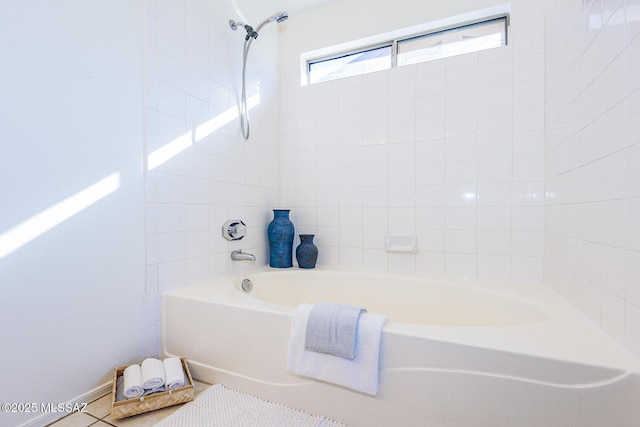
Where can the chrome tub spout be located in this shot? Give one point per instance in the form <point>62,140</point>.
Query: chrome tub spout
<point>242,256</point>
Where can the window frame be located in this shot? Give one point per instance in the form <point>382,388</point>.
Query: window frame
<point>392,39</point>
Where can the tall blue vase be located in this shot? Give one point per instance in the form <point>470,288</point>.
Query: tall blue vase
<point>280,233</point>
<point>307,252</point>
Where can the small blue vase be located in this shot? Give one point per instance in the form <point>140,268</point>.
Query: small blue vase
<point>280,232</point>
<point>307,252</point>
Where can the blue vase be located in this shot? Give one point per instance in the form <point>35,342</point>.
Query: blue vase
<point>307,252</point>
<point>280,234</point>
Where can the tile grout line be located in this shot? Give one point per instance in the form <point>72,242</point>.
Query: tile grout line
<point>104,420</point>
<point>97,420</point>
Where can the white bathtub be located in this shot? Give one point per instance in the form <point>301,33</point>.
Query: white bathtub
<point>466,353</point>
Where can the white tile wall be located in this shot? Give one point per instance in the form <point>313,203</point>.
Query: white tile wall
<point>514,162</point>
<point>449,150</point>
<point>192,75</point>
<point>591,161</point>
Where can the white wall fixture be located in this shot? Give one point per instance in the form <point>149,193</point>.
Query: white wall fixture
<point>403,244</point>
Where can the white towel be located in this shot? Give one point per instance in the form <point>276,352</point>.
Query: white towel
<point>132,383</point>
<point>360,374</point>
<point>173,373</point>
<point>152,374</point>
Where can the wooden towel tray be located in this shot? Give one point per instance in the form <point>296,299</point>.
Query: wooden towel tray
<point>140,405</point>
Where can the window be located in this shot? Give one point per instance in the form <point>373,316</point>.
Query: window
<point>454,41</point>
<point>404,49</point>
<point>350,64</point>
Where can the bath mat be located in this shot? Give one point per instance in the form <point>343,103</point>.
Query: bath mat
<point>219,406</point>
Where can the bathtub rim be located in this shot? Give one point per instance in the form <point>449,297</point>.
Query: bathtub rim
<point>594,347</point>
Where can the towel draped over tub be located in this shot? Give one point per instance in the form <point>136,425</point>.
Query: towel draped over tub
<point>359,374</point>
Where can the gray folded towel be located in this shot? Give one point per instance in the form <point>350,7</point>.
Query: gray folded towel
<point>331,328</point>
<point>154,390</point>
<point>120,389</point>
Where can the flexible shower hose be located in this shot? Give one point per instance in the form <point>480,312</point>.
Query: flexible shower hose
<point>244,110</point>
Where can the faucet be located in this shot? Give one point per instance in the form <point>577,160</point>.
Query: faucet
<point>242,256</point>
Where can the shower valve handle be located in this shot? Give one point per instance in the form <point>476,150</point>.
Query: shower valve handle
<point>234,229</point>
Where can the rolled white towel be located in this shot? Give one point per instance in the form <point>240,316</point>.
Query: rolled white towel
<point>173,373</point>
<point>152,374</point>
<point>132,376</point>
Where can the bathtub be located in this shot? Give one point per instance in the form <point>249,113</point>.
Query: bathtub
<point>454,353</point>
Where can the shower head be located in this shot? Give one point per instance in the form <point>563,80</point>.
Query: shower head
<point>279,17</point>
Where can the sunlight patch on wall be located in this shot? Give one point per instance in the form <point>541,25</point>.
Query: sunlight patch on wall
<point>178,145</point>
<point>44,221</point>
<point>170,150</point>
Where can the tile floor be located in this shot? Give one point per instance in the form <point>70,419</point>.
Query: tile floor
<point>98,414</point>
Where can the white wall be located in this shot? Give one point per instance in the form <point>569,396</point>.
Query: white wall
<point>592,241</point>
<point>192,81</point>
<point>70,112</point>
<point>449,150</point>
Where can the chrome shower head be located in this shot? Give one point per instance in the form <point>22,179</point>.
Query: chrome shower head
<point>279,17</point>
